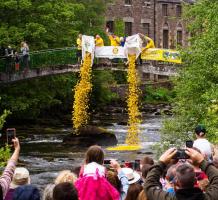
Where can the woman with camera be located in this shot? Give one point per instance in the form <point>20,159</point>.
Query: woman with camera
<point>7,175</point>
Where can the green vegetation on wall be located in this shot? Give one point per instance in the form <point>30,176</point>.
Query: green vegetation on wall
<point>119,27</point>
<point>196,86</point>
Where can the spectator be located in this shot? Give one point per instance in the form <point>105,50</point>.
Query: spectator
<point>132,176</point>
<point>17,61</point>
<point>145,169</point>
<point>21,177</point>
<point>185,178</point>
<point>25,56</point>
<point>99,41</point>
<point>124,184</point>
<point>26,192</point>
<point>92,184</point>
<point>133,191</point>
<point>9,59</point>
<point>215,161</point>
<point>65,176</point>
<point>201,142</point>
<point>48,192</point>
<point>79,48</point>
<point>146,160</point>
<point>7,175</point>
<point>65,191</point>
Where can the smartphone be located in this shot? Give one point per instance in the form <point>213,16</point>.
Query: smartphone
<point>189,144</point>
<point>107,161</point>
<point>10,134</point>
<point>137,165</point>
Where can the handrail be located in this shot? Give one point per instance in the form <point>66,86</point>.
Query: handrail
<point>41,58</point>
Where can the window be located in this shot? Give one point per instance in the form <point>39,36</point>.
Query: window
<point>128,28</point>
<point>146,28</point>
<point>110,26</point>
<point>128,2</point>
<point>179,38</point>
<point>165,39</point>
<point>178,10</point>
<point>165,9</point>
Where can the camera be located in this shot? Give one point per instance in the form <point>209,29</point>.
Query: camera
<point>10,134</point>
<point>180,154</point>
<point>189,143</point>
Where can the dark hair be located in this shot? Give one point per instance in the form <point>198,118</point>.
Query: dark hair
<point>185,176</point>
<point>65,191</point>
<point>1,194</point>
<point>200,130</point>
<point>145,170</point>
<point>147,160</point>
<point>133,191</point>
<point>94,154</point>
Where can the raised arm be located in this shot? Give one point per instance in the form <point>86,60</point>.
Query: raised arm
<point>211,171</point>
<point>8,173</point>
<point>153,187</point>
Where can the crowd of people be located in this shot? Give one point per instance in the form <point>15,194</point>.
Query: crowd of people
<point>115,41</point>
<point>189,176</point>
<point>13,57</point>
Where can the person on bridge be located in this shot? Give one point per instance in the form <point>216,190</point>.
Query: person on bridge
<point>115,40</point>
<point>99,42</point>
<point>25,52</point>
<point>79,48</point>
<point>147,42</point>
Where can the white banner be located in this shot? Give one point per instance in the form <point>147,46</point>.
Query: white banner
<point>110,52</point>
<point>88,45</point>
<point>133,45</point>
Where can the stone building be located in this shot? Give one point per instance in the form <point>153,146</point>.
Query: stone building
<point>159,19</point>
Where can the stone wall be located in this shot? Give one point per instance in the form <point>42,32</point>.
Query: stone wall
<point>143,12</point>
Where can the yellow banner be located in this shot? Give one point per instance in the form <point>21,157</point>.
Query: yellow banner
<point>165,55</point>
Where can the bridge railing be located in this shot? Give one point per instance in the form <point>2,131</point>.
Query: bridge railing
<point>40,59</point>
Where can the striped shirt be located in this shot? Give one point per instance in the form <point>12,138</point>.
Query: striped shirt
<point>6,177</point>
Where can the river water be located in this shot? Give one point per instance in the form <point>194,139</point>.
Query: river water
<point>44,155</point>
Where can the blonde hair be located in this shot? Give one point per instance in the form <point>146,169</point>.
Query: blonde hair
<point>65,176</point>
<point>48,192</point>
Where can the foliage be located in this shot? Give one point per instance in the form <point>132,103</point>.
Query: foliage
<point>119,27</point>
<point>4,155</point>
<point>101,93</point>
<point>120,77</point>
<point>196,86</point>
<point>49,24</point>
<point>28,99</point>
<point>157,95</point>
<point>3,117</point>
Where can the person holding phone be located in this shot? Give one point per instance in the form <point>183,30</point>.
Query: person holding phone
<point>7,175</point>
<point>202,143</point>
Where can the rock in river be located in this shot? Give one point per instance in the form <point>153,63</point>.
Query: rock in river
<point>91,135</point>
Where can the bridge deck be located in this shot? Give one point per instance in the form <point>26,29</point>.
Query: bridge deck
<point>60,61</point>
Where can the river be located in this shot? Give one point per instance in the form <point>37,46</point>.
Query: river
<point>44,155</point>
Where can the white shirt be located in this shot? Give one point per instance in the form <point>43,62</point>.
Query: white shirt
<point>204,146</point>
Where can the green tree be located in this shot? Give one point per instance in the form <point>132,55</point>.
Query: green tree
<point>119,27</point>
<point>196,86</point>
<point>48,24</point>
<point>30,99</point>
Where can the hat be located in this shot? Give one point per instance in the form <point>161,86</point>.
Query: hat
<point>21,177</point>
<point>132,176</point>
<point>200,128</point>
<point>26,192</point>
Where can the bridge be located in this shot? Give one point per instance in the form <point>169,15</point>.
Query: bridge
<point>64,60</point>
